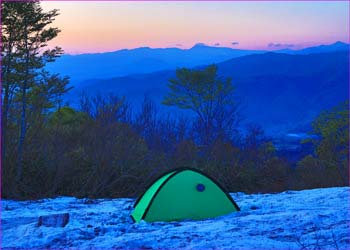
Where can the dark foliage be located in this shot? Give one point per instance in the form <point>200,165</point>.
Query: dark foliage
<point>99,151</point>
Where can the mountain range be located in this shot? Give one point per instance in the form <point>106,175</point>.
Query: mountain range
<point>337,46</point>
<point>282,92</point>
<point>140,60</point>
<point>146,60</point>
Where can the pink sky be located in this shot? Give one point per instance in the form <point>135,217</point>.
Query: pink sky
<point>108,26</point>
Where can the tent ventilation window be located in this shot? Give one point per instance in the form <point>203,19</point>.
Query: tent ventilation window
<point>200,187</point>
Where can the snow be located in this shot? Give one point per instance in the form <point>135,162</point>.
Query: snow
<point>307,219</point>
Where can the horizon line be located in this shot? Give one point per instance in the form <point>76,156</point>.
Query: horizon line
<point>203,45</point>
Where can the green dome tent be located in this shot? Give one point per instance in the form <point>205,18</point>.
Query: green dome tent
<point>183,194</point>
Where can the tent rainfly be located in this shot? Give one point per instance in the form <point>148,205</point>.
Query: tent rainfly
<point>183,194</point>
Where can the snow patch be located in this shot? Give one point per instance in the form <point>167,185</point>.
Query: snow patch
<point>317,218</point>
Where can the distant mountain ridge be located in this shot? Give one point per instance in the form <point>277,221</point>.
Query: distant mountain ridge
<point>140,60</point>
<point>147,60</point>
<point>281,92</point>
<point>337,46</point>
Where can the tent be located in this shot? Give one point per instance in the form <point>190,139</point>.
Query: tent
<point>183,194</point>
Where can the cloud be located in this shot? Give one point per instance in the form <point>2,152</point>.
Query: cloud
<point>235,43</point>
<point>280,45</point>
<point>178,45</point>
<point>217,44</point>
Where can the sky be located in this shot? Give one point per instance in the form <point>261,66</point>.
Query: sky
<point>91,26</point>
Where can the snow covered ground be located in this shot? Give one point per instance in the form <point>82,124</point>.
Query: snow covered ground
<point>306,219</point>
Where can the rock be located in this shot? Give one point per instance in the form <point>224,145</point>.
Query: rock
<point>97,230</point>
<point>90,201</point>
<point>254,207</point>
<point>7,208</point>
<point>54,220</point>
